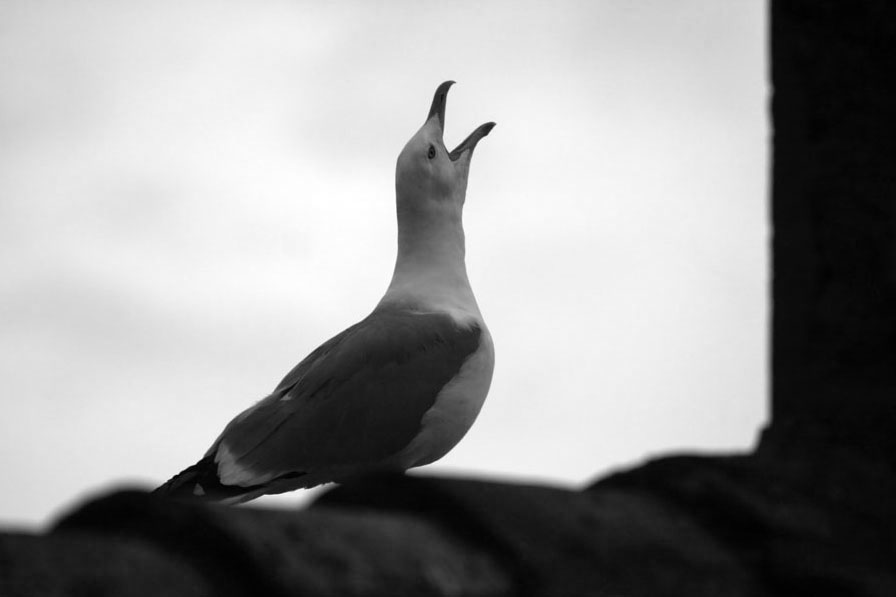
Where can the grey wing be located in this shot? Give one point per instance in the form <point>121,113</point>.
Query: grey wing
<point>356,400</point>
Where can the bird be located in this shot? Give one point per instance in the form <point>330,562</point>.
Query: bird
<point>397,390</point>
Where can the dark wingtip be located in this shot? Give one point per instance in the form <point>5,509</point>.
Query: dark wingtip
<point>199,482</point>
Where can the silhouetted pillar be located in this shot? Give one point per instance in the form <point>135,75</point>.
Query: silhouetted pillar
<point>834,216</point>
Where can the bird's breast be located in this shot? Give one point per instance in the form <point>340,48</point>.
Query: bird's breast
<point>455,409</point>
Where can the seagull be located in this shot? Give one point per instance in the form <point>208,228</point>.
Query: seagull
<point>397,390</point>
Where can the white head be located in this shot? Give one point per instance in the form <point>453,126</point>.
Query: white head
<point>430,185</point>
<point>428,178</point>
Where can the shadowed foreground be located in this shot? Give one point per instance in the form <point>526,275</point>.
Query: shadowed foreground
<point>812,511</point>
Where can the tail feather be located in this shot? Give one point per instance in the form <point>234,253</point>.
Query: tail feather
<point>201,482</point>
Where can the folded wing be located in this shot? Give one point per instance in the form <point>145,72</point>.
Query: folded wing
<point>355,401</point>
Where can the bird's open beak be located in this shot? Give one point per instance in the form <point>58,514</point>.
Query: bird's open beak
<point>437,109</point>
<point>472,139</point>
<point>438,103</point>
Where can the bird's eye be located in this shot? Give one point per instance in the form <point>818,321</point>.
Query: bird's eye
<point>431,153</point>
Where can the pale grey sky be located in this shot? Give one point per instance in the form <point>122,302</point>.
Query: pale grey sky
<point>194,195</point>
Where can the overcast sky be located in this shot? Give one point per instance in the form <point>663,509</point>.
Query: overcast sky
<point>194,195</point>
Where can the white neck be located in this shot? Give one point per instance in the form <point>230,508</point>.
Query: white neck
<point>430,272</point>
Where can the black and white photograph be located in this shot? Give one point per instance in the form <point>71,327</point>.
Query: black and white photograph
<point>447,298</point>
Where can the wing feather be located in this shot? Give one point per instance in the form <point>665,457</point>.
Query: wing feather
<point>357,399</point>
